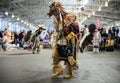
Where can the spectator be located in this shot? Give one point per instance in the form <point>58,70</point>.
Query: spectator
<point>4,42</point>
<point>21,36</point>
<point>96,40</point>
<point>102,43</point>
<point>16,38</point>
<point>8,33</point>
<point>1,35</point>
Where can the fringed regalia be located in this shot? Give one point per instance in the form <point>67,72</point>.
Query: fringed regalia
<point>66,42</point>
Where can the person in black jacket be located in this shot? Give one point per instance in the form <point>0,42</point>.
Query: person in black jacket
<point>21,36</point>
<point>16,38</point>
<point>1,35</point>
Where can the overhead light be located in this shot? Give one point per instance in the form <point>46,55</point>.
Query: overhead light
<point>89,15</point>
<point>25,23</point>
<point>93,13</point>
<point>28,24</point>
<point>22,21</point>
<point>99,9</point>
<point>85,18</point>
<point>12,16</point>
<point>18,19</point>
<point>85,2</point>
<point>6,13</point>
<point>106,4</point>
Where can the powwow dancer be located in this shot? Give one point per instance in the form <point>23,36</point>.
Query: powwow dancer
<point>87,37</point>
<point>66,41</point>
<point>67,31</point>
<point>35,39</point>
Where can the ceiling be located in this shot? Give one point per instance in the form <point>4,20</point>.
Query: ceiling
<point>35,11</point>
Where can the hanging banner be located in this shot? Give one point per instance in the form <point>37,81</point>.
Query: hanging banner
<point>98,23</point>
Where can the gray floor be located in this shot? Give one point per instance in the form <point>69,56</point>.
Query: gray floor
<point>20,66</point>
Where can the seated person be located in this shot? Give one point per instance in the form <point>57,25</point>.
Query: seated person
<point>109,42</point>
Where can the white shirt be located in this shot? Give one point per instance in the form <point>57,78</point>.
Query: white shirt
<point>4,39</point>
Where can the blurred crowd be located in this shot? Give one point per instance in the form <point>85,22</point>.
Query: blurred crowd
<point>8,38</point>
<point>104,40</point>
<point>22,39</point>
